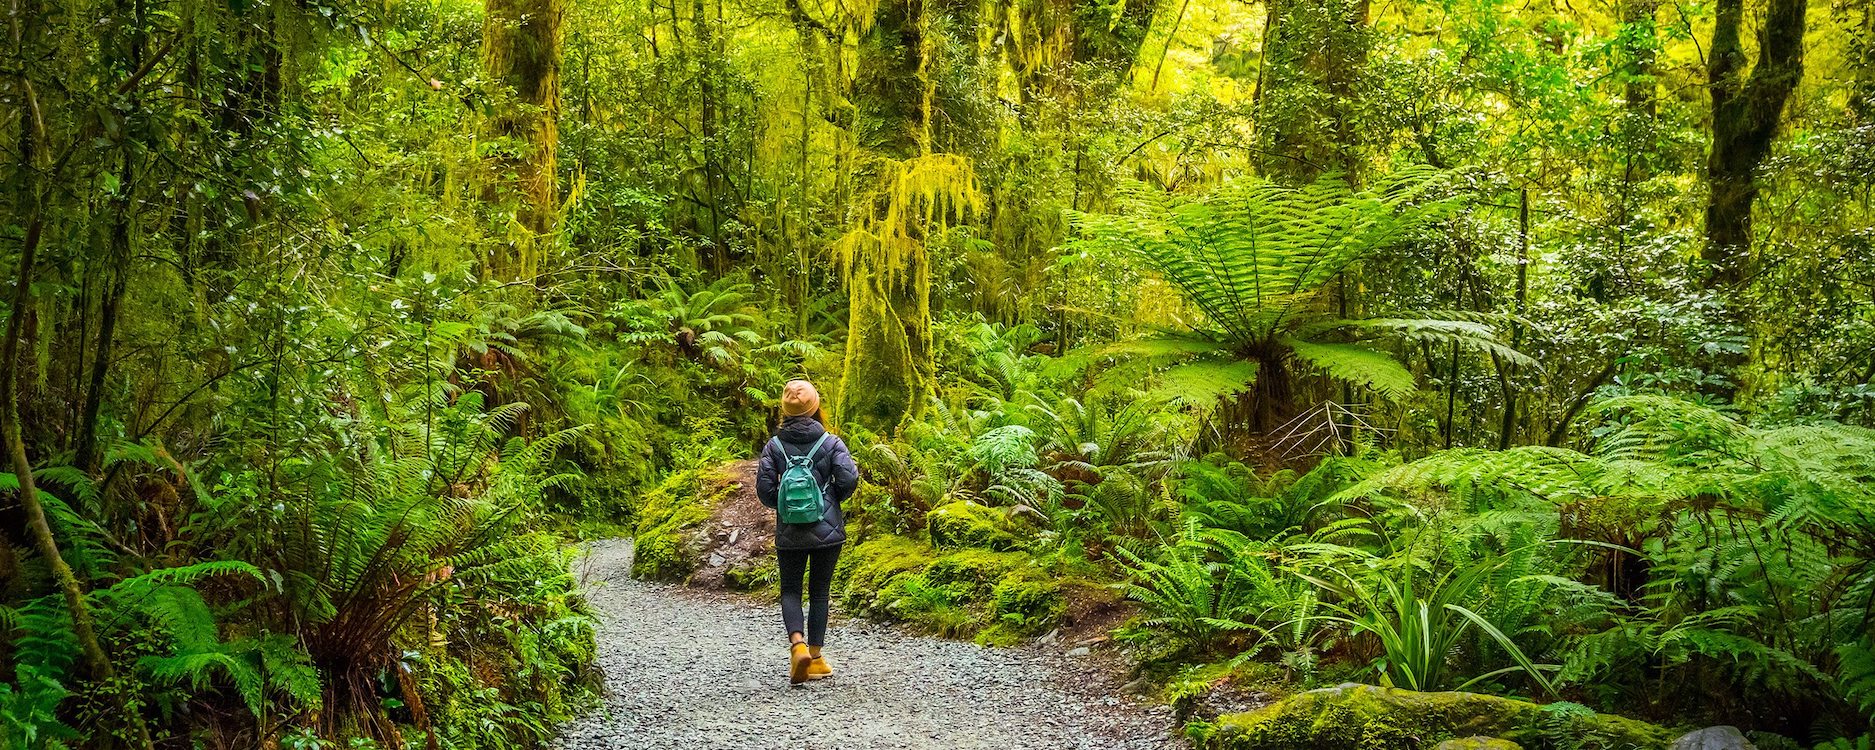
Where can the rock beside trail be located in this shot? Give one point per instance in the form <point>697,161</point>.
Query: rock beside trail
<point>735,542</point>
<point>1714,738</point>
<point>1356,717</point>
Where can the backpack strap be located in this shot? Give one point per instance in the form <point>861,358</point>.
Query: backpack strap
<point>817,444</point>
<point>782,448</point>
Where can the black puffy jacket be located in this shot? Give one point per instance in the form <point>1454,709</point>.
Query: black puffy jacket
<point>833,468</point>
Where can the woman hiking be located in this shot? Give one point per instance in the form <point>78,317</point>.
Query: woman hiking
<point>806,473</point>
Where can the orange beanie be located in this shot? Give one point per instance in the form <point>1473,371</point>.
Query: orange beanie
<point>798,397</point>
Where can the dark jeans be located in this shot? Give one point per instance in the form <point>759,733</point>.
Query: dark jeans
<point>794,563</point>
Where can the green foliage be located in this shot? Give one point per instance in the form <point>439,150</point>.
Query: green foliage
<point>1256,259</point>
<point>867,569</point>
<point>322,351</point>
<point>1419,616</point>
<point>1213,585</point>
<point>667,515</point>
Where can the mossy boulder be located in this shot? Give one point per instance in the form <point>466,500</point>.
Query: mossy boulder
<point>1021,607</point>
<point>1030,604</point>
<point>1365,717</point>
<point>1479,743</point>
<point>666,544</point>
<point>753,574</point>
<point>866,571</point>
<point>974,570</point>
<point>965,524</point>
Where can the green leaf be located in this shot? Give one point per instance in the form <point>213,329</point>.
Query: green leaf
<point>1353,363</point>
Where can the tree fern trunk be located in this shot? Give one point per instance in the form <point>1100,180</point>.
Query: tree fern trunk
<point>1275,395</point>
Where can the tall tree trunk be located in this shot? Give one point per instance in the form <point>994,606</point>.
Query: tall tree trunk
<point>1507,430</point>
<point>1640,50</point>
<point>97,662</point>
<point>889,89</point>
<point>1862,97</point>
<point>1308,98</point>
<point>888,371</point>
<point>521,48</point>
<point>1746,112</point>
<point>703,34</point>
<point>117,268</point>
<point>31,124</point>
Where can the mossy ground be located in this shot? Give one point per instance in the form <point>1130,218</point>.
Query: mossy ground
<point>1365,717</point>
<point>997,597</point>
<point>963,525</point>
<point>668,516</point>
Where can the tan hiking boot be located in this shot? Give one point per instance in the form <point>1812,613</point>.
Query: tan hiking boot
<point>798,661</point>
<point>817,667</point>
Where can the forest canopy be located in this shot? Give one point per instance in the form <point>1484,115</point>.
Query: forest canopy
<point>1523,349</point>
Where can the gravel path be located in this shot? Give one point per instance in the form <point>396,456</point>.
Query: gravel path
<point>692,670</point>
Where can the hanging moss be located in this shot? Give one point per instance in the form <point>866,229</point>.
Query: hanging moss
<point>889,365</point>
<point>521,51</point>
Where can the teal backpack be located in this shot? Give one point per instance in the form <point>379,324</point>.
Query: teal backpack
<point>798,499</point>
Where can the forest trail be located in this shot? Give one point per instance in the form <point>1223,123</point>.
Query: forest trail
<point>693,669</point>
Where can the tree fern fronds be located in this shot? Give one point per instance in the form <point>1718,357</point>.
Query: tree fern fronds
<point>1359,365</point>
<point>1855,675</point>
<point>1467,334</point>
<point>1201,384</point>
<point>1004,448</point>
<point>179,576</point>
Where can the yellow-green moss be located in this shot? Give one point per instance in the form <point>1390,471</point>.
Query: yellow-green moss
<point>1000,635</point>
<point>1026,605</point>
<point>1363,717</point>
<point>865,570</point>
<point>1478,743</point>
<point>665,546</point>
<point>975,570</point>
<point>931,607</point>
<point>962,525</point>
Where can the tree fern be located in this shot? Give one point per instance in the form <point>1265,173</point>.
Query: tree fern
<point>1255,259</point>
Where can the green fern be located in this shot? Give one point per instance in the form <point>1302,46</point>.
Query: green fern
<point>1255,259</point>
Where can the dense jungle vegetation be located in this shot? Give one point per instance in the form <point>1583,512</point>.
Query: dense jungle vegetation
<point>1518,348</point>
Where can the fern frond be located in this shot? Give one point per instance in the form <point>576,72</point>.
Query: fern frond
<point>1360,365</point>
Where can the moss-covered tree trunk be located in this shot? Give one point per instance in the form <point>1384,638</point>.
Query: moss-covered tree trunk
<point>888,369</point>
<point>521,47</point>
<point>1308,95</point>
<point>1862,97</point>
<point>888,88</point>
<point>1746,111</point>
<point>1640,44</point>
